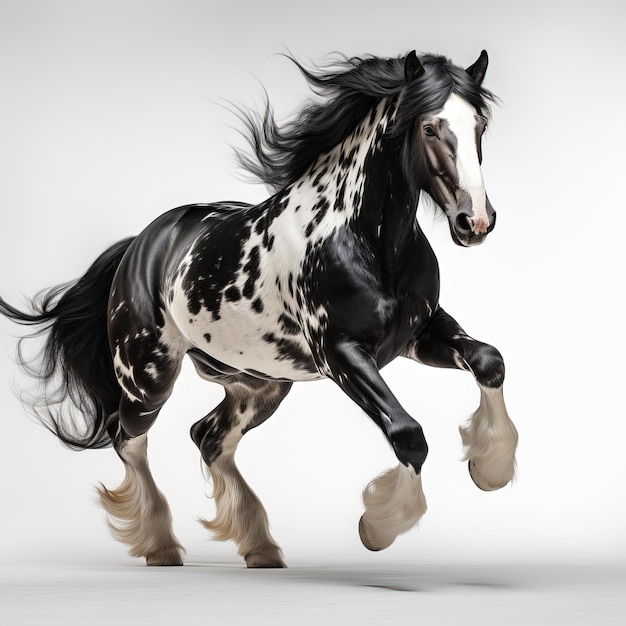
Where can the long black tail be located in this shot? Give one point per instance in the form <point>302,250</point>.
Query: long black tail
<point>78,394</point>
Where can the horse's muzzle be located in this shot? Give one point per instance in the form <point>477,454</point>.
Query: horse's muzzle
<point>466,230</point>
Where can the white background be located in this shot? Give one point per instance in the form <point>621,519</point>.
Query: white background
<point>110,115</point>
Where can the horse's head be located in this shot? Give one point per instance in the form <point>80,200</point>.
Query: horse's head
<point>447,150</point>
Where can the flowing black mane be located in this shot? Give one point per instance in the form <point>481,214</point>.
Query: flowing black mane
<point>350,88</point>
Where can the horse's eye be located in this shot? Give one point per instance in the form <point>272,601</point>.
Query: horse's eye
<point>429,131</point>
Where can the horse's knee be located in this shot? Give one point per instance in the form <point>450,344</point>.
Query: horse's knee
<point>487,364</point>
<point>209,433</point>
<point>219,430</point>
<point>248,403</point>
<point>409,443</point>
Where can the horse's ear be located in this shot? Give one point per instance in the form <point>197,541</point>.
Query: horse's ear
<point>412,67</point>
<point>478,69</point>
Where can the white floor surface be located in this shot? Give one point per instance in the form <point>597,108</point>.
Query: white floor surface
<point>361,593</point>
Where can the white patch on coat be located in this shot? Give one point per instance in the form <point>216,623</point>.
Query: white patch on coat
<point>124,372</point>
<point>151,370</point>
<point>117,309</point>
<point>461,117</point>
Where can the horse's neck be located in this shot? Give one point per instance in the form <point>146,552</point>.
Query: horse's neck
<point>341,175</point>
<point>387,218</point>
<point>328,196</point>
<point>359,185</point>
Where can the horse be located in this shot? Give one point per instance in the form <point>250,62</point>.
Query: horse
<point>330,277</point>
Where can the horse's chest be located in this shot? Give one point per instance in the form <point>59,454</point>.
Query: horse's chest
<point>408,316</point>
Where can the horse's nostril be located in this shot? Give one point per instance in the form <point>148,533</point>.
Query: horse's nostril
<point>463,223</point>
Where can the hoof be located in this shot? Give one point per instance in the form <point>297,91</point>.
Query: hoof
<point>368,541</point>
<point>167,557</point>
<point>261,560</point>
<point>481,482</point>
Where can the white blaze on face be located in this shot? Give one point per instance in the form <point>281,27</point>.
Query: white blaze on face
<point>461,117</point>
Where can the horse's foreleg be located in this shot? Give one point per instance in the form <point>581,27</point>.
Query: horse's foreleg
<point>394,501</point>
<point>240,515</point>
<point>490,440</point>
<point>490,437</point>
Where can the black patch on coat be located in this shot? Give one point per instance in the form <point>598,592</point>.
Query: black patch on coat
<point>252,269</point>
<point>339,198</point>
<point>271,209</point>
<point>289,350</point>
<point>320,209</point>
<point>268,241</point>
<point>319,176</point>
<point>288,325</point>
<point>214,266</point>
<point>232,294</point>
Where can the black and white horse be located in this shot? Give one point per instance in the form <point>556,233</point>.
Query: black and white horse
<point>330,277</point>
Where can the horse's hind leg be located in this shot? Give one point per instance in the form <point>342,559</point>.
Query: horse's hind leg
<point>490,437</point>
<point>139,515</point>
<point>146,368</point>
<point>240,516</point>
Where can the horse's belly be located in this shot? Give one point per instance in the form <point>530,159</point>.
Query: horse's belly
<point>247,339</point>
